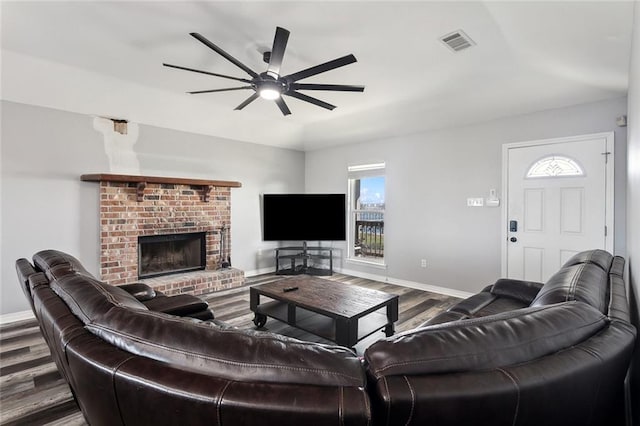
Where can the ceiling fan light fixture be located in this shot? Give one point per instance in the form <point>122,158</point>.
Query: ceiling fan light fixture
<point>269,93</point>
<point>269,89</point>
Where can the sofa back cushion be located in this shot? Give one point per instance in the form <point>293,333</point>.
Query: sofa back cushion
<point>601,258</point>
<point>584,277</point>
<point>55,263</point>
<point>485,343</point>
<point>89,298</point>
<point>226,352</point>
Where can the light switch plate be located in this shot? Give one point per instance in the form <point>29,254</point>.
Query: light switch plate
<point>475,202</point>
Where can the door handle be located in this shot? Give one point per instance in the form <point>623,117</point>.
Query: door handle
<point>513,239</point>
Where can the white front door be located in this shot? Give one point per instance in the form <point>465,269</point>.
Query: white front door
<point>559,202</point>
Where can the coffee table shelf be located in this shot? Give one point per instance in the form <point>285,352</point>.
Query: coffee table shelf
<point>318,324</point>
<point>342,313</point>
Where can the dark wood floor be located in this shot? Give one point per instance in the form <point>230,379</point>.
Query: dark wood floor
<point>33,393</point>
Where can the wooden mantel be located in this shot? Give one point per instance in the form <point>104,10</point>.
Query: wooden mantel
<point>142,182</point>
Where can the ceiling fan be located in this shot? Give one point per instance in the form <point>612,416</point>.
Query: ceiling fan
<point>270,84</point>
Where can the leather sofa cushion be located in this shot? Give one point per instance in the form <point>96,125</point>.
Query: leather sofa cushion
<point>584,277</point>
<point>584,282</point>
<point>601,258</point>
<point>140,291</point>
<point>180,304</point>
<point>239,355</point>
<point>446,316</point>
<point>500,305</point>
<point>524,291</point>
<point>89,298</point>
<point>49,261</point>
<point>473,304</point>
<point>485,343</point>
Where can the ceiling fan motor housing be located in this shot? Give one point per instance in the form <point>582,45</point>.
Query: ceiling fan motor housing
<point>267,82</point>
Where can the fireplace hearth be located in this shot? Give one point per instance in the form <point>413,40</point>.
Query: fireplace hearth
<point>171,254</point>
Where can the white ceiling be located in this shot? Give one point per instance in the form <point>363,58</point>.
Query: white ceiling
<point>104,58</point>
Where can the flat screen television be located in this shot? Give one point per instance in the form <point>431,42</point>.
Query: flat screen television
<point>304,217</point>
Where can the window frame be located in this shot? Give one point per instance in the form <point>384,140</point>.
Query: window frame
<point>358,172</point>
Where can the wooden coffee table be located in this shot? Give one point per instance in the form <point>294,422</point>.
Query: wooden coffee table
<point>342,313</point>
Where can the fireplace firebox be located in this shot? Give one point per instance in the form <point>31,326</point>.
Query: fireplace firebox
<point>171,254</point>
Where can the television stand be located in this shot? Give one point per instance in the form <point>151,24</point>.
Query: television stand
<point>299,261</point>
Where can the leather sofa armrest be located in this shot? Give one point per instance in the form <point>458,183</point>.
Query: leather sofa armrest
<point>525,291</point>
<point>140,291</point>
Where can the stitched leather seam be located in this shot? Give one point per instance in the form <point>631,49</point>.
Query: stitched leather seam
<point>57,290</point>
<point>599,358</point>
<point>367,405</point>
<point>113,385</point>
<point>482,320</point>
<point>386,390</point>
<point>574,283</point>
<point>221,360</point>
<point>419,361</point>
<point>101,290</point>
<point>219,404</point>
<point>413,400</point>
<point>515,384</point>
<point>340,405</point>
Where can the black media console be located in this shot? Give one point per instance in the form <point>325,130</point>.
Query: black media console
<point>299,261</point>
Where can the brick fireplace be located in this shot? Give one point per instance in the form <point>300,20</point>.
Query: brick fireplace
<point>143,206</point>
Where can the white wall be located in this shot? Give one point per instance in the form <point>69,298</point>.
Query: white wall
<point>633,200</point>
<point>429,177</point>
<point>45,205</point>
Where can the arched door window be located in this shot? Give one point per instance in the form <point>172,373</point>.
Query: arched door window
<point>554,166</point>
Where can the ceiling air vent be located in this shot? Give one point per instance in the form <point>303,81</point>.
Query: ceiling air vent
<point>457,41</point>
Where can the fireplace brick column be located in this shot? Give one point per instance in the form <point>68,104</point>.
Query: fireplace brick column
<point>129,210</point>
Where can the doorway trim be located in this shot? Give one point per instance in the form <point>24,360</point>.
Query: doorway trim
<point>609,188</point>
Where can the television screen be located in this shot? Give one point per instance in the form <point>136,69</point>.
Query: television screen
<point>304,217</point>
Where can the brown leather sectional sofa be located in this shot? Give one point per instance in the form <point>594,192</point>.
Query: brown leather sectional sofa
<point>517,353</point>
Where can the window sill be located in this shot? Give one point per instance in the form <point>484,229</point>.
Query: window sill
<point>358,261</point>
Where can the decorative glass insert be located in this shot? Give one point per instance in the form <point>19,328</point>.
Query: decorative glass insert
<point>554,166</point>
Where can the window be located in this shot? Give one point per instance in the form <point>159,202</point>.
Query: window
<point>365,237</point>
<point>554,166</point>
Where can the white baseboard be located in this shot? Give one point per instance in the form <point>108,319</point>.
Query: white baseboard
<point>15,316</point>
<point>405,283</point>
<point>260,271</point>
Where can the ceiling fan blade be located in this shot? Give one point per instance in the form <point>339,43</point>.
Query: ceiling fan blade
<point>220,90</point>
<point>247,101</point>
<point>224,54</point>
<point>207,72</point>
<point>309,99</point>
<point>277,52</point>
<point>334,87</point>
<point>283,106</point>
<point>327,66</point>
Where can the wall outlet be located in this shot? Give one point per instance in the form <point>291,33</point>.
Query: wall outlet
<point>423,263</point>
